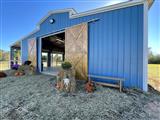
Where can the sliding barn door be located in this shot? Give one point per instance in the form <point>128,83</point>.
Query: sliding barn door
<point>32,52</point>
<point>76,49</point>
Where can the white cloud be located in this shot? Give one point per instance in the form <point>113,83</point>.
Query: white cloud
<point>111,2</point>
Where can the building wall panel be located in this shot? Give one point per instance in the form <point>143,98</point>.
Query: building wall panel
<point>24,50</point>
<point>115,42</point>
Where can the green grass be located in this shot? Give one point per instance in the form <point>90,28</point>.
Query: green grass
<point>4,65</point>
<point>154,71</point>
<point>154,75</point>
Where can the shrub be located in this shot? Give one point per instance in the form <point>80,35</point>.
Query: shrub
<point>154,59</point>
<point>21,68</point>
<point>66,65</point>
<point>27,62</point>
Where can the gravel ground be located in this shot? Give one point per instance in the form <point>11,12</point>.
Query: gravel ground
<point>35,98</point>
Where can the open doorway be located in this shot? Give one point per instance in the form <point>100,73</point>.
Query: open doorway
<point>15,55</point>
<point>53,51</point>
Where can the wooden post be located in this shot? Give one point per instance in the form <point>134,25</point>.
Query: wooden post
<point>120,86</point>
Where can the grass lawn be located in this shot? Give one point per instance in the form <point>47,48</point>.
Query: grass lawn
<point>154,75</point>
<point>4,65</point>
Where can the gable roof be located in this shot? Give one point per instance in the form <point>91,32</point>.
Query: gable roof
<point>71,11</point>
<point>74,14</point>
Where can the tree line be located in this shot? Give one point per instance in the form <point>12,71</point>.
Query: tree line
<point>4,55</point>
<point>153,59</point>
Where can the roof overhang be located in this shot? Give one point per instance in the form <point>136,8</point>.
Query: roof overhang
<point>150,3</point>
<point>16,44</point>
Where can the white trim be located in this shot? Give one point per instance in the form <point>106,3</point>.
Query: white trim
<point>40,49</point>
<point>40,40</point>
<point>70,10</point>
<point>145,46</point>
<point>92,20</point>
<point>21,52</point>
<point>108,8</point>
<point>53,33</point>
<point>34,31</point>
<point>20,40</point>
<point>73,14</point>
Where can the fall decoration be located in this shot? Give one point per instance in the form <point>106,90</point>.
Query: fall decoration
<point>89,87</point>
<point>2,74</point>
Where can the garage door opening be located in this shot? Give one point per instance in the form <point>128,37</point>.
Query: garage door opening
<point>53,52</point>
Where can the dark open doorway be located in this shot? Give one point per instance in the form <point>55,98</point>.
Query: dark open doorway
<point>53,51</point>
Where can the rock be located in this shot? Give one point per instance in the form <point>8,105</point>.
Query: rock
<point>2,74</point>
<point>33,97</point>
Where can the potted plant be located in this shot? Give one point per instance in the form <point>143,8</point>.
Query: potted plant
<point>66,65</point>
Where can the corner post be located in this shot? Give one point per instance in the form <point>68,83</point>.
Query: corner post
<point>145,46</point>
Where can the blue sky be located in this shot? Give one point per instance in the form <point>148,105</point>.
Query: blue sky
<point>19,17</point>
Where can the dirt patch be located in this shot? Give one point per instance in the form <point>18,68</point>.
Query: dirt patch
<point>35,98</point>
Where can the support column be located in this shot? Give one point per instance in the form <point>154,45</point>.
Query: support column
<point>11,56</point>
<point>63,56</point>
<point>11,53</point>
<point>49,59</point>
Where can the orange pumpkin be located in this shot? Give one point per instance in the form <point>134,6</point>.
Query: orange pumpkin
<point>17,74</point>
<point>89,87</point>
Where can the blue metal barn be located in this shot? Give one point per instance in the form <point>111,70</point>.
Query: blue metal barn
<point>117,41</point>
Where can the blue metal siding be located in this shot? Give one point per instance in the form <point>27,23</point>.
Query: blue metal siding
<point>61,21</point>
<point>24,50</point>
<point>115,46</point>
<point>115,42</point>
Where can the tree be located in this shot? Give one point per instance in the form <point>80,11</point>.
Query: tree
<point>4,55</point>
<point>153,59</point>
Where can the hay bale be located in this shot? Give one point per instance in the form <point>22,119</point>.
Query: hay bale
<point>3,74</point>
<point>66,81</point>
<point>27,69</point>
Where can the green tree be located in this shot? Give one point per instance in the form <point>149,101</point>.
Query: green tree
<point>153,59</point>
